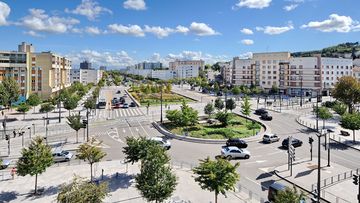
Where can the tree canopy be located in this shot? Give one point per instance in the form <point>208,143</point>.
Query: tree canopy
<point>347,90</point>
<point>9,91</point>
<point>224,117</point>
<point>23,108</point>
<point>74,121</point>
<point>209,109</point>
<point>351,121</point>
<point>219,104</point>
<point>289,195</point>
<point>246,107</point>
<point>33,100</point>
<point>185,117</point>
<point>230,104</point>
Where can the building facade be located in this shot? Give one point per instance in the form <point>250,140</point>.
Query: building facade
<point>149,65</point>
<point>200,64</point>
<point>85,65</point>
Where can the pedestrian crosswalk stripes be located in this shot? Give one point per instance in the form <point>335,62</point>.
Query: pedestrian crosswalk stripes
<point>117,113</point>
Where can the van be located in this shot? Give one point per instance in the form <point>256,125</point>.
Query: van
<point>274,189</point>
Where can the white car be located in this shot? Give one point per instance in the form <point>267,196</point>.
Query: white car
<point>231,152</point>
<point>269,138</point>
<point>162,142</point>
<point>60,155</point>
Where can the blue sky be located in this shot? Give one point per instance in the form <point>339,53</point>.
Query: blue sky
<point>118,33</point>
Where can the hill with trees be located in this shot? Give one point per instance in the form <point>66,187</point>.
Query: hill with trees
<point>348,49</point>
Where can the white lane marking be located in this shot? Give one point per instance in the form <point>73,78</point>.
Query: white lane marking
<point>132,134</point>
<point>256,162</point>
<point>275,153</point>
<point>145,131</point>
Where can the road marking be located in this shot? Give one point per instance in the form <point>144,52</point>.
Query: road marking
<point>256,162</point>
<point>132,134</point>
<point>145,131</point>
<point>275,153</point>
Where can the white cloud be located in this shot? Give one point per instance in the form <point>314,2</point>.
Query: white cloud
<point>135,4</point>
<point>133,30</point>
<point>39,21</point>
<point>201,29</point>
<point>257,4</point>
<point>247,41</point>
<point>335,23</point>
<point>33,33</point>
<point>93,30</point>
<point>109,59</point>
<point>155,57</point>
<point>194,55</point>
<point>158,31</point>
<point>182,29</point>
<point>4,13</point>
<point>271,30</point>
<point>90,9</point>
<point>290,7</point>
<point>246,31</point>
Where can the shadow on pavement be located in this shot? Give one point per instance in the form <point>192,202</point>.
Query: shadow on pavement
<point>52,190</point>
<point>264,175</point>
<point>120,180</point>
<point>338,146</point>
<point>8,196</point>
<point>304,173</point>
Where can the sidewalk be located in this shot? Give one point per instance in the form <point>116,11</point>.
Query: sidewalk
<point>120,178</point>
<point>336,185</point>
<point>309,120</point>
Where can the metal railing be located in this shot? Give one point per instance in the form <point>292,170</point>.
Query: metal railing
<point>335,179</point>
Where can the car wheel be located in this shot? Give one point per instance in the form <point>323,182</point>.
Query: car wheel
<point>228,157</point>
<point>247,156</point>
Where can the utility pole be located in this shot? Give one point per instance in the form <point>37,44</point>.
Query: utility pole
<point>280,100</point>
<point>46,130</point>
<point>29,132</point>
<point>301,90</point>
<point>33,128</point>
<point>87,125</point>
<point>161,103</point>
<point>311,140</point>
<point>356,181</point>
<point>317,113</point>
<point>319,165</point>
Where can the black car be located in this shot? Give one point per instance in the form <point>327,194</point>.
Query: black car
<point>132,104</point>
<point>236,142</point>
<point>295,142</point>
<point>219,94</point>
<point>266,117</point>
<point>260,111</point>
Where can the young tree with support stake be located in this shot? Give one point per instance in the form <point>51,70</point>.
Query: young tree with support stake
<point>351,122</point>
<point>33,100</point>
<point>219,104</point>
<point>70,103</point>
<point>230,104</point>
<point>246,107</point>
<point>324,114</point>
<point>23,108</point>
<point>35,159</point>
<point>209,109</point>
<point>74,121</point>
<point>217,176</point>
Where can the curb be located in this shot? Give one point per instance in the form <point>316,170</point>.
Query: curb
<point>132,98</point>
<point>209,141</point>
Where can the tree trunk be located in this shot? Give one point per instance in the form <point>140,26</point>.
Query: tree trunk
<point>216,197</point>
<point>24,116</point>
<point>354,136</point>
<point>350,108</point>
<point>77,138</point>
<point>323,124</point>
<point>35,183</point>
<point>91,178</point>
<point>34,109</point>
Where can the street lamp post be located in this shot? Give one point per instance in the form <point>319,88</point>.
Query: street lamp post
<point>87,125</point>
<point>301,91</point>
<point>33,128</point>
<point>319,135</point>
<point>161,104</point>
<point>29,132</point>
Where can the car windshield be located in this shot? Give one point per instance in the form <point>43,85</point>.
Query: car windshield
<point>65,152</point>
<point>266,136</point>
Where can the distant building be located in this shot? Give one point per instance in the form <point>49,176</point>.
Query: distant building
<point>200,64</point>
<point>149,65</point>
<point>86,76</point>
<point>85,65</point>
<point>103,68</point>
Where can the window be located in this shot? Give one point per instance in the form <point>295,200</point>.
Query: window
<point>274,72</point>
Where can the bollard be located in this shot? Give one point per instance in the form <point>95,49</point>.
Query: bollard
<point>102,174</point>
<point>117,175</point>
<point>332,179</point>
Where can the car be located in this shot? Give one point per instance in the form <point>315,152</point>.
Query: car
<point>5,163</point>
<point>60,155</point>
<point>117,105</point>
<point>266,117</point>
<point>260,111</point>
<point>125,105</point>
<point>101,104</point>
<point>274,189</point>
<point>232,152</point>
<point>219,94</point>
<point>236,142</point>
<point>132,104</point>
<point>162,142</point>
<point>269,138</point>
<point>122,100</point>
<point>295,142</point>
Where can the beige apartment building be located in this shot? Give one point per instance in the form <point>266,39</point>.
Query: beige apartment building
<point>42,73</point>
<point>186,64</point>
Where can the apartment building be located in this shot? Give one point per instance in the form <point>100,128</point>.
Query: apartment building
<point>242,72</point>
<point>226,70</point>
<point>163,74</point>
<point>200,64</point>
<point>75,75</point>
<point>333,69</point>
<point>356,69</point>
<point>149,65</point>
<point>86,65</point>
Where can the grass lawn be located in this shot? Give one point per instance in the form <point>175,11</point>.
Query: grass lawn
<point>237,129</point>
<point>154,98</point>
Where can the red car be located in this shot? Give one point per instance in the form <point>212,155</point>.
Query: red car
<point>117,105</point>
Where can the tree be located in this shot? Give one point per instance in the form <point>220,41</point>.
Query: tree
<point>274,89</point>
<point>217,176</point>
<point>156,182</point>
<point>216,87</point>
<point>246,107</point>
<point>216,67</point>
<point>236,90</point>
<point>74,121</point>
<point>253,126</point>
<point>90,103</point>
<point>351,121</point>
<point>46,108</point>
<point>136,149</point>
<point>224,117</point>
<point>339,108</point>
<point>185,117</point>
<point>347,90</point>
<point>35,159</point>
<point>230,104</point>
<point>23,108</point>
<point>324,114</point>
<point>90,152</point>
<point>289,195</point>
<point>4,95</point>
<point>219,104</point>
<point>209,109</point>
<point>34,100</point>
<point>11,91</point>
<point>70,103</point>
<point>82,191</point>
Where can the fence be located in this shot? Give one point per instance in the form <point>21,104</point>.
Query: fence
<point>335,179</point>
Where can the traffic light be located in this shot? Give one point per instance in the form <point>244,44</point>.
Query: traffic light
<point>311,140</point>
<point>355,179</point>
<point>7,137</point>
<point>85,122</point>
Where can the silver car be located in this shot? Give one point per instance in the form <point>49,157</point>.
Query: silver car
<point>162,142</point>
<point>60,155</point>
<point>269,138</point>
<point>231,152</point>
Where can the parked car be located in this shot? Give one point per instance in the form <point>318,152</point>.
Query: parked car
<point>5,163</point>
<point>162,142</point>
<point>260,111</point>
<point>101,104</point>
<point>60,155</point>
<point>266,117</point>
<point>125,105</point>
<point>132,104</point>
<point>295,142</point>
<point>122,100</point>
<point>117,105</point>
<point>269,138</point>
<point>236,142</point>
<point>232,152</point>
<point>274,189</point>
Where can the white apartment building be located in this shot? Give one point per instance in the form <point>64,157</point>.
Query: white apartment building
<point>186,72</point>
<point>226,69</point>
<point>74,75</point>
<point>86,76</point>
<point>243,72</point>
<point>163,74</point>
<point>200,64</point>
<point>333,69</point>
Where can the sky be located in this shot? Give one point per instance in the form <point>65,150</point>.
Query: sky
<point>118,33</point>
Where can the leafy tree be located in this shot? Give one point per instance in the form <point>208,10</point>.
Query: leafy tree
<point>324,114</point>
<point>339,108</point>
<point>216,67</point>
<point>236,90</point>
<point>136,149</point>
<point>74,121</point>
<point>46,108</point>
<point>168,88</point>
<point>347,90</point>
<point>274,89</point>
<point>217,176</point>
<point>209,109</point>
<point>185,117</point>
<point>219,104</point>
<point>216,87</point>
<point>224,117</point>
<point>156,182</point>
<point>246,107</point>
<point>34,100</point>
<point>90,103</point>
<point>289,195</point>
<point>70,103</point>
<point>351,121</point>
<point>23,108</point>
<point>253,126</point>
<point>12,91</point>
<point>230,104</point>
<point>35,159</point>
<point>82,191</point>
<point>90,152</point>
